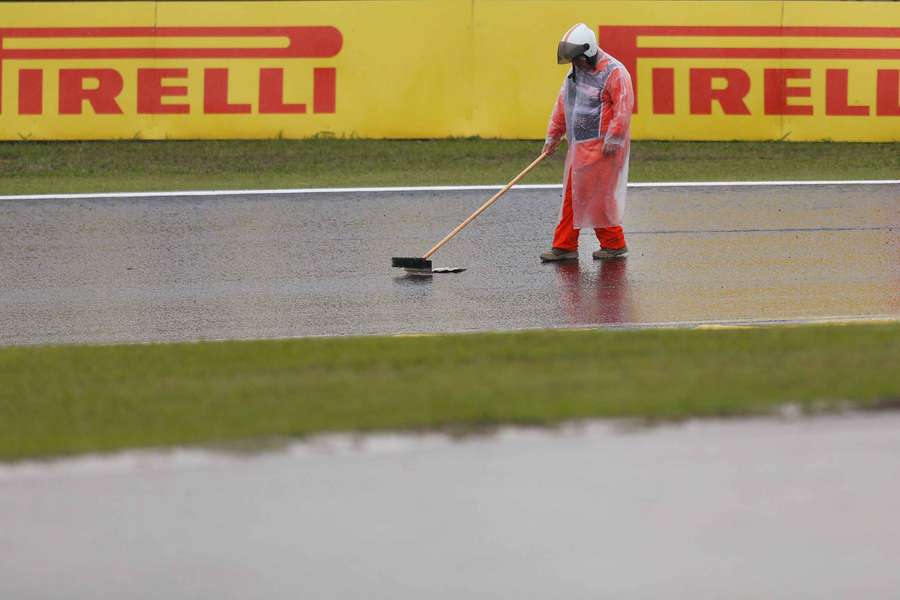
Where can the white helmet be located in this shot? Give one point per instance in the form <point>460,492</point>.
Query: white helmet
<point>578,40</point>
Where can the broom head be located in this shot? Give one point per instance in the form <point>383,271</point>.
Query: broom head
<point>412,264</point>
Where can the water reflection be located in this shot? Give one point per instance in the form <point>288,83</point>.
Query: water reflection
<point>594,296</point>
<point>413,279</point>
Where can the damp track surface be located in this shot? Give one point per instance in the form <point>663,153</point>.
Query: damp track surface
<point>262,266</point>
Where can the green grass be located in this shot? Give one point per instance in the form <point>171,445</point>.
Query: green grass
<point>61,167</point>
<point>60,400</point>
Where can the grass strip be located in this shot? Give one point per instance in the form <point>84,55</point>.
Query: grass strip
<point>71,167</point>
<point>58,400</point>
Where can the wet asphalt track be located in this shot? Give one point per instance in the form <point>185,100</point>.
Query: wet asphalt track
<point>257,266</point>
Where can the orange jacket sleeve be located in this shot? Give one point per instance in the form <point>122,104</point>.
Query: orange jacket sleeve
<point>556,129</point>
<point>621,99</point>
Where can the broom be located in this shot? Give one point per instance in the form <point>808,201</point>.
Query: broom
<point>422,265</point>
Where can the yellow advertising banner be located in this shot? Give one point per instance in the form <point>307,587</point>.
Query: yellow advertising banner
<point>718,70</point>
<point>705,70</point>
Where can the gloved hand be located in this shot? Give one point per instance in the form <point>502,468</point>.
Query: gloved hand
<point>551,145</point>
<point>610,148</point>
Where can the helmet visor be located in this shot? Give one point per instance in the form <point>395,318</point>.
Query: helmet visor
<point>566,51</point>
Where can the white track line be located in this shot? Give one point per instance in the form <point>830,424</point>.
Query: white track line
<point>691,324</point>
<point>835,320</point>
<point>435,188</point>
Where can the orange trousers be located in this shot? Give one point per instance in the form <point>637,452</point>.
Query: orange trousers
<point>566,236</point>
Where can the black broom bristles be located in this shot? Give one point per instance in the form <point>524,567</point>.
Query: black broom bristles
<point>404,262</point>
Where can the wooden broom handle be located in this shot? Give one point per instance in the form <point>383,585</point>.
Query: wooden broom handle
<point>485,206</point>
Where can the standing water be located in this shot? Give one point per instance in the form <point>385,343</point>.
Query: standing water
<point>760,508</point>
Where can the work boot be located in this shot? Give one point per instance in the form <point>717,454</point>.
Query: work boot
<point>559,254</point>
<point>609,253</point>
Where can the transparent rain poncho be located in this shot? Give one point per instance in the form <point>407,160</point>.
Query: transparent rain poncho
<point>593,109</point>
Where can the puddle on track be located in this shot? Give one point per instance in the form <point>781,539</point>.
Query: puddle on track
<point>774,508</point>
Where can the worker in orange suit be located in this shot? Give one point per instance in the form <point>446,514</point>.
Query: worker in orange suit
<point>593,112</point>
